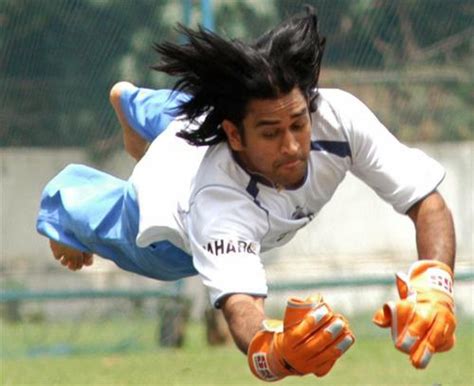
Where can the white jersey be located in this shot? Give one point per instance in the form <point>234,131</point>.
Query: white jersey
<point>215,210</point>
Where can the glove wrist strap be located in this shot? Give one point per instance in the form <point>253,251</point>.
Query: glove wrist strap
<point>432,275</point>
<point>261,358</point>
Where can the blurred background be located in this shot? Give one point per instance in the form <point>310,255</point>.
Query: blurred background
<point>410,61</point>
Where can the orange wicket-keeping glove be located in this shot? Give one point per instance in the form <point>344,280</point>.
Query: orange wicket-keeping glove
<point>310,340</point>
<point>423,320</point>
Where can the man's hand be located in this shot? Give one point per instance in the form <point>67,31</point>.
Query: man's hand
<point>423,320</point>
<point>310,340</point>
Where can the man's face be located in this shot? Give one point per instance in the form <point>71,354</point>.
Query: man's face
<point>277,139</point>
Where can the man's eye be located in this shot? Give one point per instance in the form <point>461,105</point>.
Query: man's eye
<point>298,126</point>
<point>269,134</point>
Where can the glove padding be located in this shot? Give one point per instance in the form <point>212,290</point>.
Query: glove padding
<point>310,340</point>
<point>423,320</point>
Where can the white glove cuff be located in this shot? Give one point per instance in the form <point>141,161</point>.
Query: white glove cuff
<point>440,280</point>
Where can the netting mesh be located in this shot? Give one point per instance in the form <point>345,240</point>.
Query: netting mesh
<point>39,327</point>
<point>410,61</point>
<point>60,57</point>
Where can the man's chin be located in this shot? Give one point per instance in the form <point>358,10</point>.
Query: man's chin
<point>294,180</point>
<point>291,183</point>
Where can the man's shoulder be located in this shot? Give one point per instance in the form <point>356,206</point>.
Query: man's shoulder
<point>224,198</point>
<point>337,98</point>
<point>220,170</point>
<point>338,109</point>
<point>220,179</point>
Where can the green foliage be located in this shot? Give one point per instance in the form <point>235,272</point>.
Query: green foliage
<point>60,58</point>
<point>388,34</point>
<point>245,19</point>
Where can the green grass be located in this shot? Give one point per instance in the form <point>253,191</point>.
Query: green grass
<point>371,361</point>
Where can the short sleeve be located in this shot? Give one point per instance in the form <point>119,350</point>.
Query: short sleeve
<point>148,111</point>
<point>400,175</point>
<point>225,230</point>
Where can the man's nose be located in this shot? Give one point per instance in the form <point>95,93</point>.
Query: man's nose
<point>289,144</point>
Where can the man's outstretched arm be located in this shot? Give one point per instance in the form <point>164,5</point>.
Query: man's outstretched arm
<point>423,320</point>
<point>244,315</point>
<point>134,144</point>
<point>435,238</point>
<point>309,340</point>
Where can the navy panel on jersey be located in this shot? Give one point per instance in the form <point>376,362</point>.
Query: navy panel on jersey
<point>339,148</point>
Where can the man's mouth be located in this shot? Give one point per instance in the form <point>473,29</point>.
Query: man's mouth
<point>290,164</point>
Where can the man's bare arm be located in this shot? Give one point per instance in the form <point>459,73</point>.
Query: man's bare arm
<point>423,321</point>
<point>135,145</point>
<point>244,315</point>
<point>435,237</point>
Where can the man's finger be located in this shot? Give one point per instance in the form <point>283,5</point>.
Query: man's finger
<point>422,355</point>
<point>313,320</point>
<point>396,315</point>
<point>435,339</point>
<point>324,336</point>
<point>336,349</point>
<point>448,344</point>
<point>437,335</point>
<point>322,370</point>
<point>441,334</point>
<point>383,316</point>
<point>449,328</point>
<point>415,331</point>
<point>330,353</point>
<point>326,344</point>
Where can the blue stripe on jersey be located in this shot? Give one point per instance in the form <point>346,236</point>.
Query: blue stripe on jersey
<point>339,148</point>
<point>252,189</point>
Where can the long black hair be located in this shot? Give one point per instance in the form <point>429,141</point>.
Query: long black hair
<point>222,76</point>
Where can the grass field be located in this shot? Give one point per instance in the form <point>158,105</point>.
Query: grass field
<point>371,361</point>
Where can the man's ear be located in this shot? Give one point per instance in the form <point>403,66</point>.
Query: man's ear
<point>233,135</point>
